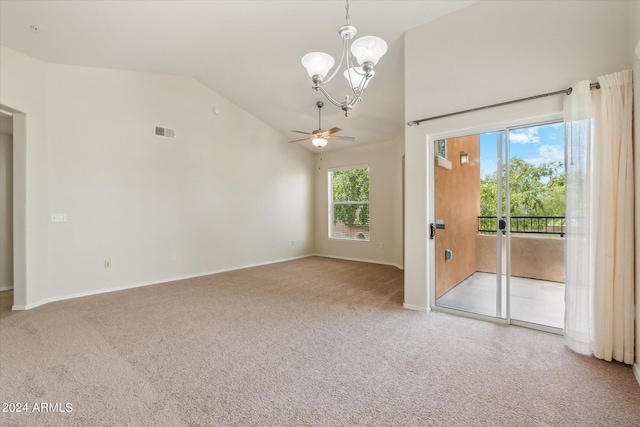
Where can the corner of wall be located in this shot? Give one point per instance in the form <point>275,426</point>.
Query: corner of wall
<point>636,126</point>
<point>634,40</point>
<point>385,161</point>
<point>23,80</point>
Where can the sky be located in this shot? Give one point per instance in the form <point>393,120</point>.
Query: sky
<point>535,144</point>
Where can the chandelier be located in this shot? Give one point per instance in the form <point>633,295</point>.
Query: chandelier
<point>365,50</point>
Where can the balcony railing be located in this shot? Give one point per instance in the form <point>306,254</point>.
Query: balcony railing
<point>523,224</point>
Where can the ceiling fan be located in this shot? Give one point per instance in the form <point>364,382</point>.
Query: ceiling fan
<point>320,137</point>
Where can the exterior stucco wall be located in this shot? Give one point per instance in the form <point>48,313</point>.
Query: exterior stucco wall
<point>531,256</point>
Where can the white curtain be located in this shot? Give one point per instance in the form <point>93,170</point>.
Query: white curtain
<point>578,116</point>
<point>599,300</point>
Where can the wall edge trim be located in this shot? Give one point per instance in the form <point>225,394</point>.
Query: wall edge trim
<point>416,307</point>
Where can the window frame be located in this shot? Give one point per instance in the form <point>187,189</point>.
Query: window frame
<point>331,204</point>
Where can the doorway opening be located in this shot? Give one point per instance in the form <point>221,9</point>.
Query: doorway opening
<point>6,212</point>
<point>13,194</point>
<point>499,226</point>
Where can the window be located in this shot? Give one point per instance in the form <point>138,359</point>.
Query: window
<point>349,203</point>
<point>441,145</point>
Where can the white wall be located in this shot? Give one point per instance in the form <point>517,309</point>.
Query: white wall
<point>6,212</point>
<point>488,53</point>
<point>227,192</point>
<point>385,203</point>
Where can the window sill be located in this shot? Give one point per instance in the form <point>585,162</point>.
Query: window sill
<point>350,239</point>
<point>443,163</point>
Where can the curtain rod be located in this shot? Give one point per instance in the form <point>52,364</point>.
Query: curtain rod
<point>558,92</point>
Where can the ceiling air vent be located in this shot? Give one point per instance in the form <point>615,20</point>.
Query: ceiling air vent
<point>165,132</point>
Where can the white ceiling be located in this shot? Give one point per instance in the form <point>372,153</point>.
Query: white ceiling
<point>248,51</point>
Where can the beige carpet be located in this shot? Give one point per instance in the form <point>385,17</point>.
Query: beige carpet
<point>312,342</point>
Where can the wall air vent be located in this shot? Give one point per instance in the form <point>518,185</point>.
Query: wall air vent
<point>165,132</point>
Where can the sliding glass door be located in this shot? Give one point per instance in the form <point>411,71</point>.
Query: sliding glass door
<point>498,227</point>
<point>536,207</point>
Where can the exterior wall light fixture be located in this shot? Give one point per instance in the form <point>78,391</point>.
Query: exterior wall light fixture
<point>464,158</point>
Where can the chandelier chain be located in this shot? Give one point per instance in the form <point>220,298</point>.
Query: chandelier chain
<point>346,6</point>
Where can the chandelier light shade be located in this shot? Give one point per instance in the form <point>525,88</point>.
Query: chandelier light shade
<point>365,51</point>
<point>318,63</point>
<point>356,78</point>
<point>369,49</point>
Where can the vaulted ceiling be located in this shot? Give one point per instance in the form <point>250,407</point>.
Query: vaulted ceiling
<point>248,51</point>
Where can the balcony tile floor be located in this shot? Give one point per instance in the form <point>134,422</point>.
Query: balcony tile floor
<point>534,301</point>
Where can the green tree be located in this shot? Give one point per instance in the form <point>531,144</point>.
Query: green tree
<point>536,190</point>
<point>351,197</point>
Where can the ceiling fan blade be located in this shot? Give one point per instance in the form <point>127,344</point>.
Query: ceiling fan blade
<point>332,130</point>
<point>343,138</point>
<point>303,139</point>
<point>299,131</point>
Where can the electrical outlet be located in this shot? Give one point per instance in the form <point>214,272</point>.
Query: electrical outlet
<point>107,263</point>
<point>293,242</point>
<point>381,245</point>
<point>174,257</point>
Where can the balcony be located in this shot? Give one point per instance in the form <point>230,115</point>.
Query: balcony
<point>537,271</point>
<point>537,247</point>
<point>548,225</point>
<point>482,173</point>
<point>532,300</point>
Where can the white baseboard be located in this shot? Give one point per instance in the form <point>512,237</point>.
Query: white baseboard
<point>189,276</point>
<point>416,307</point>
<point>154,282</point>
<point>5,288</point>
<point>636,370</point>
<point>361,260</point>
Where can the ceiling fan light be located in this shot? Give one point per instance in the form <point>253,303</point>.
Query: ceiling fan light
<point>368,49</point>
<point>319,142</point>
<point>355,76</point>
<point>317,63</point>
